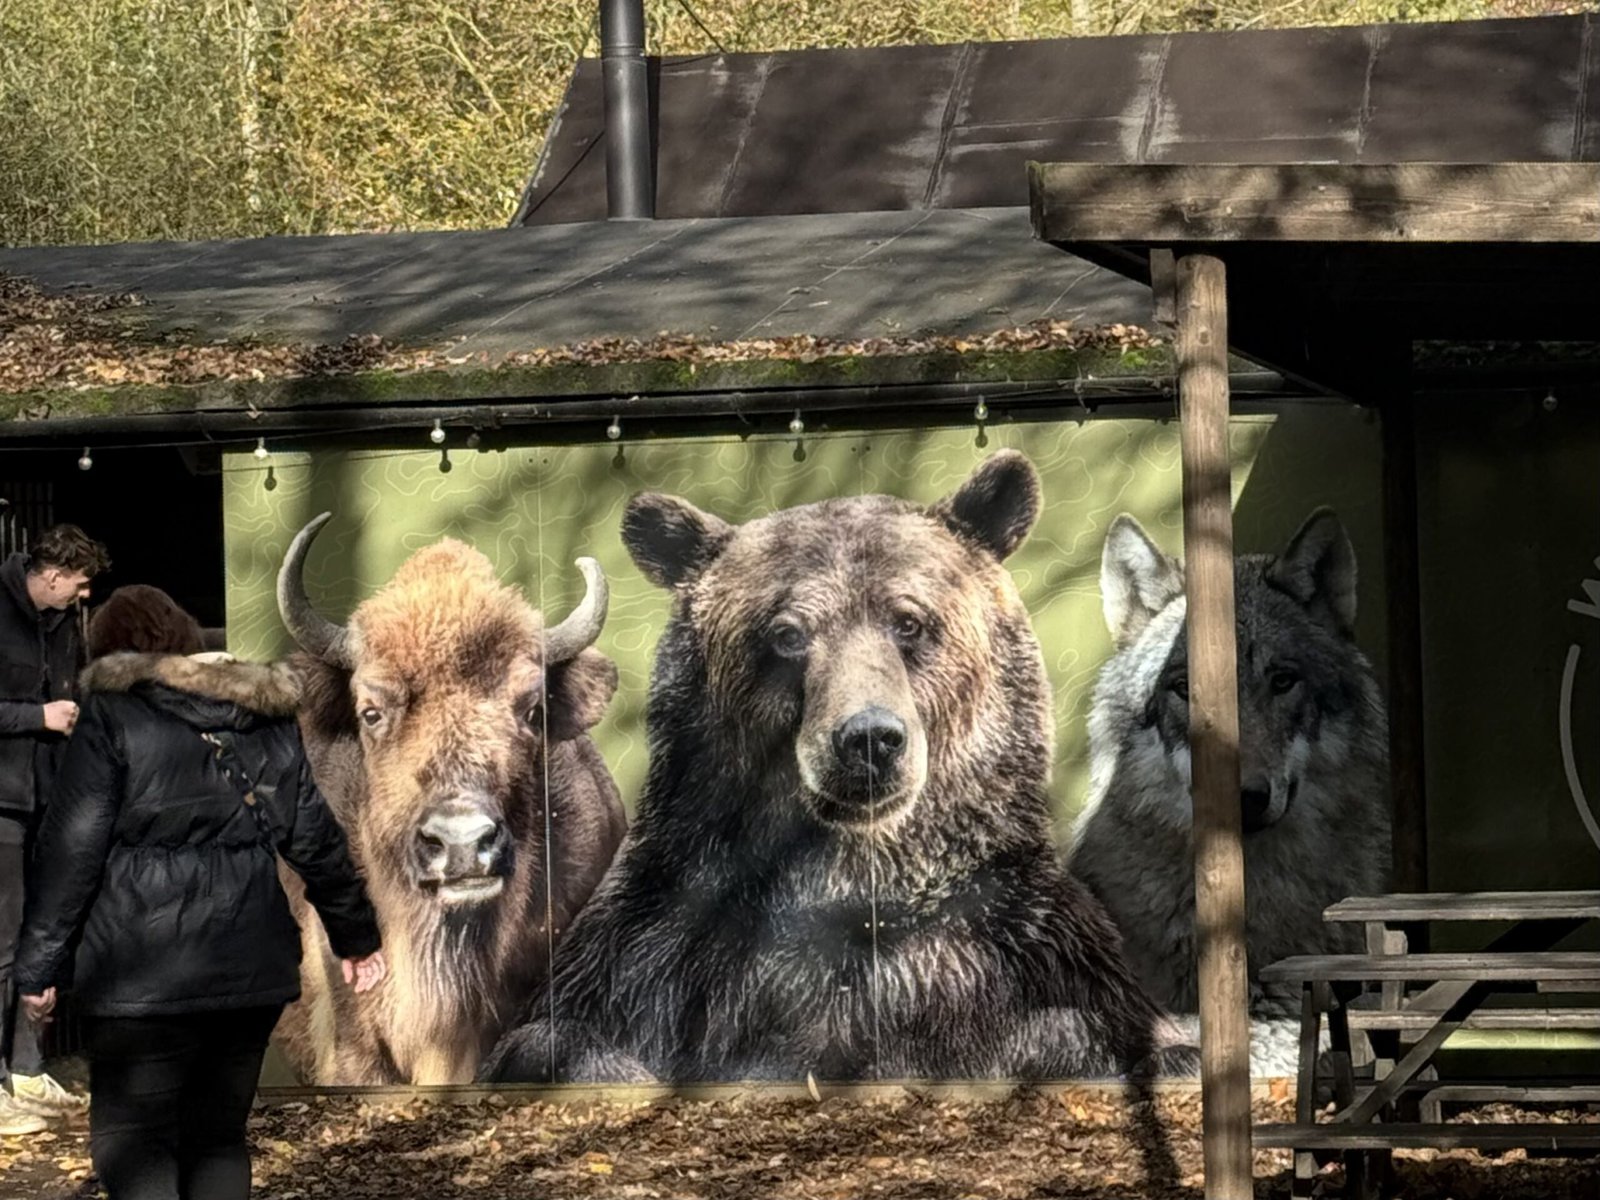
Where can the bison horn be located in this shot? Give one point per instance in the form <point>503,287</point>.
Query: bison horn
<point>583,624</point>
<point>314,633</point>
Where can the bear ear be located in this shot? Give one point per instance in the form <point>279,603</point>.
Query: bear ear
<point>996,506</point>
<point>578,692</point>
<point>1318,568</point>
<point>1137,580</point>
<point>671,540</point>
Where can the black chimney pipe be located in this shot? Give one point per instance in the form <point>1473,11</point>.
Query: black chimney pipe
<point>630,190</point>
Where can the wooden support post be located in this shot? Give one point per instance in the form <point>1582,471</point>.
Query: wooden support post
<point>1214,726</point>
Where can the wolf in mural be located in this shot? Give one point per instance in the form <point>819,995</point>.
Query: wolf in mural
<point>447,726</point>
<point>1313,756</point>
<point>842,862</point>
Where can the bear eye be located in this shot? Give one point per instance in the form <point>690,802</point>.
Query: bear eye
<point>907,628</point>
<point>1178,685</point>
<point>371,715</point>
<point>1282,679</point>
<point>789,640</point>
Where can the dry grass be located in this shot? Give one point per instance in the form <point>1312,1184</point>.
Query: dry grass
<point>139,119</point>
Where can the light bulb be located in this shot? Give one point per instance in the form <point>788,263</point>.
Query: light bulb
<point>797,426</point>
<point>261,451</point>
<point>614,430</point>
<point>436,435</point>
<point>85,460</point>
<point>981,410</point>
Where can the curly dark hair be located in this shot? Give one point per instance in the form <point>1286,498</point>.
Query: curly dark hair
<point>68,548</point>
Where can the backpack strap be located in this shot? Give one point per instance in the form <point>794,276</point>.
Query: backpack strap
<point>234,772</point>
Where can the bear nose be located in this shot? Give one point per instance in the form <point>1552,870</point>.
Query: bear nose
<point>1254,804</point>
<point>873,737</point>
<point>457,841</point>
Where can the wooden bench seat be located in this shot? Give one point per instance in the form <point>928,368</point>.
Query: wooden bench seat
<point>1446,1136</point>
<point>1540,1019</point>
<point>1540,966</point>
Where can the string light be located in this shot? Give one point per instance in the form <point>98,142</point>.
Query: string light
<point>1550,402</point>
<point>797,426</point>
<point>437,434</point>
<point>85,460</point>
<point>261,452</point>
<point>614,430</point>
<point>980,411</point>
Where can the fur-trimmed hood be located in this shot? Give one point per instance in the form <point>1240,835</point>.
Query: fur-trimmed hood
<point>268,689</point>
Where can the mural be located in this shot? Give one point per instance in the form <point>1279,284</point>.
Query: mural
<point>853,676</point>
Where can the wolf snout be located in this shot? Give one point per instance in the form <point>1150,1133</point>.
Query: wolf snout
<point>873,739</point>
<point>460,841</point>
<point>1258,808</point>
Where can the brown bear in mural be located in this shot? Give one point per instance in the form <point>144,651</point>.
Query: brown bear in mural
<point>842,860</point>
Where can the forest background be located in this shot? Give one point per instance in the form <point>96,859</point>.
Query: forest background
<point>191,119</point>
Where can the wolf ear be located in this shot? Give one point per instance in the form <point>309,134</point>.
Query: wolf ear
<point>996,506</point>
<point>578,692</point>
<point>1319,569</point>
<point>671,540</point>
<point>1136,579</point>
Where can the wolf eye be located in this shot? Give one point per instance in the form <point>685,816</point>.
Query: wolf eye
<point>371,715</point>
<point>907,628</point>
<point>789,640</point>
<point>1282,680</point>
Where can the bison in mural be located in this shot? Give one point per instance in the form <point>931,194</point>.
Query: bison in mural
<point>447,727</point>
<point>842,861</point>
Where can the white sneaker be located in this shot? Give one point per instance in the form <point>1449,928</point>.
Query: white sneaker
<point>16,1121</point>
<point>43,1095</point>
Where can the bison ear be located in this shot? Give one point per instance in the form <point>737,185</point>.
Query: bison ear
<point>1319,569</point>
<point>671,540</point>
<point>996,506</point>
<point>578,693</point>
<point>1136,579</point>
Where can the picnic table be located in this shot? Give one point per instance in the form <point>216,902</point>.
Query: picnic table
<point>1407,1004</point>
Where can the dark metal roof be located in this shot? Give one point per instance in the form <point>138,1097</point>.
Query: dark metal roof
<point>831,131</point>
<point>502,290</point>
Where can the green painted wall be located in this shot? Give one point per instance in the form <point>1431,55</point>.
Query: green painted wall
<point>532,510</point>
<point>1509,498</point>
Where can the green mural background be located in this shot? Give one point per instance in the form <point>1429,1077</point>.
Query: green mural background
<point>534,509</point>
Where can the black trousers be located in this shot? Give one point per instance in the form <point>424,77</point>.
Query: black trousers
<point>168,1101</point>
<point>19,1037</point>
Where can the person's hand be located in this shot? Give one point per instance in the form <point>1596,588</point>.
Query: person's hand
<point>60,716</point>
<point>40,1007</point>
<point>364,974</point>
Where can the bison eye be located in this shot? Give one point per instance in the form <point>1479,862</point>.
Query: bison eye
<point>1282,679</point>
<point>789,640</point>
<point>532,717</point>
<point>907,628</point>
<point>371,715</point>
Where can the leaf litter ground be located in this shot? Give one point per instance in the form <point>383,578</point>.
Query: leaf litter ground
<point>1074,1144</point>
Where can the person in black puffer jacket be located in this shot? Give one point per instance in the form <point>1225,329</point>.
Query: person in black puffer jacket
<point>184,781</point>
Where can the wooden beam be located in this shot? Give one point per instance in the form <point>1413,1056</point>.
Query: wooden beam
<point>1316,202</point>
<point>1202,342</point>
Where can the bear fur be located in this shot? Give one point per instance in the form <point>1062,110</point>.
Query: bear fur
<point>842,862</point>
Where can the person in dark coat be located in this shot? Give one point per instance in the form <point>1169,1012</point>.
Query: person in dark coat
<point>40,655</point>
<point>157,858</point>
